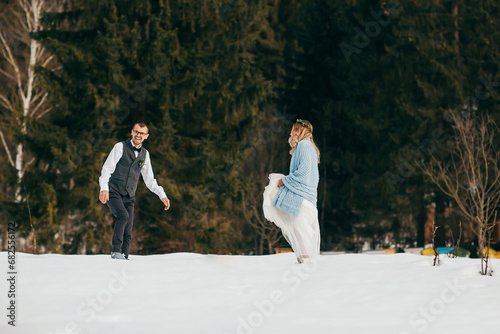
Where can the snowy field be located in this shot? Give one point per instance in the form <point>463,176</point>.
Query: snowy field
<point>216,294</point>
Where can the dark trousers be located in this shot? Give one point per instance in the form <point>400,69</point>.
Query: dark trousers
<point>122,208</point>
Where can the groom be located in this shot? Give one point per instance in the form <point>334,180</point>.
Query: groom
<point>118,181</point>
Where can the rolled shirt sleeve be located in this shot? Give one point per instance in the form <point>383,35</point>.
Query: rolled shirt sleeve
<point>149,179</point>
<point>109,166</point>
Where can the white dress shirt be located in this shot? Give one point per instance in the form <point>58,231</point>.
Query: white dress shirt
<point>146,171</point>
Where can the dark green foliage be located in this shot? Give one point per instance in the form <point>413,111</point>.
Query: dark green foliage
<point>208,77</point>
<point>375,107</point>
<point>188,74</point>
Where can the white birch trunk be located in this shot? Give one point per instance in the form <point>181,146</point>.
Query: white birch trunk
<point>30,94</point>
<point>19,168</point>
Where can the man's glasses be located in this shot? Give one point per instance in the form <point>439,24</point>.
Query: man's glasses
<point>139,133</point>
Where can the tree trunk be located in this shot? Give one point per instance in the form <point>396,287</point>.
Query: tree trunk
<point>261,245</point>
<point>454,13</point>
<point>480,246</point>
<point>29,94</point>
<point>19,168</point>
<point>271,247</point>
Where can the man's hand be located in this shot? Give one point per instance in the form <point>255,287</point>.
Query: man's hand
<point>166,202</point>
<point>280,183</point>
<point>104,196</point>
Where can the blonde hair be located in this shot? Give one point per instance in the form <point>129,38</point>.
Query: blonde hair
<point>303,131</point>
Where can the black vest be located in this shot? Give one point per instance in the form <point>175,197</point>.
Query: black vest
<point>126,175</point>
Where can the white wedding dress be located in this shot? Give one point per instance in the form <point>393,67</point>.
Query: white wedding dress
<point>302,232</point>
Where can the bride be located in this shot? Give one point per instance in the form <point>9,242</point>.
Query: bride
<point>290,201</point>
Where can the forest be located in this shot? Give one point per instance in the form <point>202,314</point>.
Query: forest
<point>386,85</point>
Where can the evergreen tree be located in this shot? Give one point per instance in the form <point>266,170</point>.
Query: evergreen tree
<point>378,78</point>
<point>190,74</point>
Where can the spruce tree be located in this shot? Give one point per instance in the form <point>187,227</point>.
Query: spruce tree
<point>189,72</point>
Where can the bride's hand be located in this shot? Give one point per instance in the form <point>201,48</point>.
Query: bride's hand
<point>280,183</point>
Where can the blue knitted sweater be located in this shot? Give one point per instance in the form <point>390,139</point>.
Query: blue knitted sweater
<point>302,182</point>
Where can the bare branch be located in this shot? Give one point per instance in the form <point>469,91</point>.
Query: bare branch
<point>44,97</point>
<point>6,102</point>
<point>9,156</point>
<point>27,165</point>
<point>22,21</point>
<point>472,177</point>
<point>44,112</point>
<point>8,75</point>
<point>10,58</point>
<point>47,61</point>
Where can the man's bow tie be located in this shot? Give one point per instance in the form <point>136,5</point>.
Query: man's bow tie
<point>138,149</point>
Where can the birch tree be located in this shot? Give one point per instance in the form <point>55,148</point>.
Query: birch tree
<point>22,97</point>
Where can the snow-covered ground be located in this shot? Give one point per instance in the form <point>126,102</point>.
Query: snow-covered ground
<point>218,294</point>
